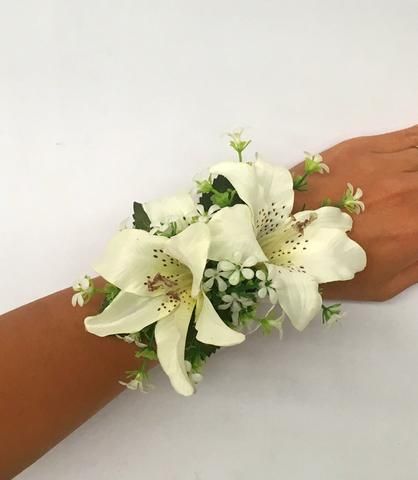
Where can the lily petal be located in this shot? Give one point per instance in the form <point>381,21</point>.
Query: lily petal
<point>232,231</point>
<point>168,209</point>
<point>326,253</point>
<point>191,248</point>
<point>170,336</point>
<point>267,189</point>
<point>129,313</point>
<point>330,255</point>
<point>298,296</point>
<point>211,329</point>
<point>327,217</point>
<point>132,257</point>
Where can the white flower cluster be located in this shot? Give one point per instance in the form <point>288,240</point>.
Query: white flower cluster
<point>235,277</point>
<point>196,273</point>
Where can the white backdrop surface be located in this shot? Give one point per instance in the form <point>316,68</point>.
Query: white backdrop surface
<point>104,102</point>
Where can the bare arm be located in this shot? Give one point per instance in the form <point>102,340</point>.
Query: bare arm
<point>55,375</point>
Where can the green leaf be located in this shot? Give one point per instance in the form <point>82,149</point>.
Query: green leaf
<point>141,219</point>
<point>300,183</point>
<point>196,352</point>
<point>204,187</point>
<point>222,194</point>
<point>222,184</point>
<point>110,292</point>
<point>222,199</point>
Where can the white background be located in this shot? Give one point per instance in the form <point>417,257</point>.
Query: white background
<point>105,102</point>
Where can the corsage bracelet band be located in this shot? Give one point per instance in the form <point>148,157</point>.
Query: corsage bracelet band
<point>196,272</point>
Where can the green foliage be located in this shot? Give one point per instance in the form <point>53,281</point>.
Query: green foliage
<point>197,352</point>
<point>141,219</point>
<point>146,336</point>
<point>266,326</point>
<point>245,289</point>
<point>300,182</point>
<point>219,192</point>
<point>331,313</point>
<point>204,186</point>
<point>110,292</point>
<point>170,232</point>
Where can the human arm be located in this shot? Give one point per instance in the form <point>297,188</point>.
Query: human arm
<point>55,375</point>
<point>385,167</point>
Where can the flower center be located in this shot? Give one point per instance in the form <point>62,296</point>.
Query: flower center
<point>281,245</point>
<point>170,285</point>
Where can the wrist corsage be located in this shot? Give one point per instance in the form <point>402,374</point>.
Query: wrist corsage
<point>199,271</point>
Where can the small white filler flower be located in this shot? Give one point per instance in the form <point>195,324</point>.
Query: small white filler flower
<point>351,200</point>
<point>315,163</point>
<point>237,268</point>
<point>194,376</point>
<point>213,275</point>
<point>268,284</point>
<point>83,289</point>
<point>235,303</point>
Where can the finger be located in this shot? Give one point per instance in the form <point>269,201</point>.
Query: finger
<point>405,160</point>
<point>394,141</point>
<point>403,280</point>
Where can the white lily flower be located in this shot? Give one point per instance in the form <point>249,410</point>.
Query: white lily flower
<point>215,275</point>
<point>160,282</point>
<point>306,249</point>
<point>177,210</point>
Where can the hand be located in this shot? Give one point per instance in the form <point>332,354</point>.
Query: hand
<point>385,167</point>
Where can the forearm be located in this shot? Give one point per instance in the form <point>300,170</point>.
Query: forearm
<point>54,376</point>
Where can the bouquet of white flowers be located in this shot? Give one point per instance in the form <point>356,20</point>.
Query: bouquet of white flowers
<point>199,271</point>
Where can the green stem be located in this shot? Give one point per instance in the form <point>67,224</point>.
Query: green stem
<point>301,182</point>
